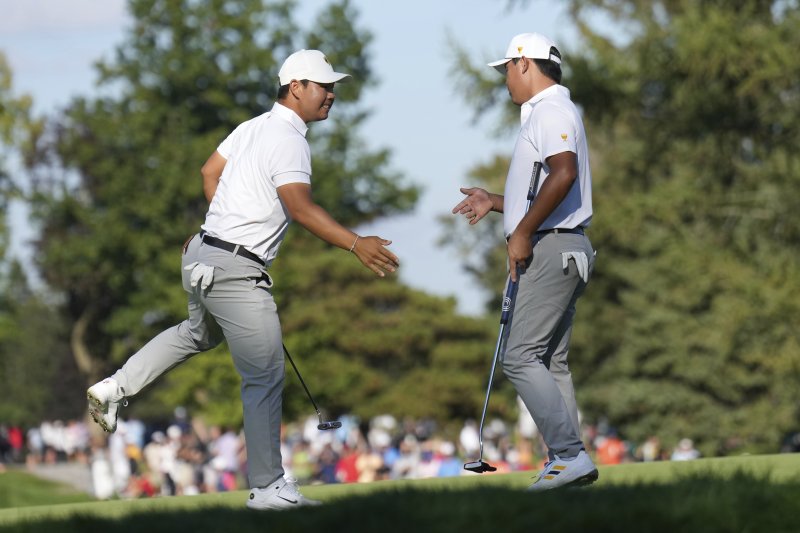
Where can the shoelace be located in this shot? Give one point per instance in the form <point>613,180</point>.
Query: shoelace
<point>292,484</point>
<point>543,470</point>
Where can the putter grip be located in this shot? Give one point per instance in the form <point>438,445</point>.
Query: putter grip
<point>507,299</point>
<point>537,168</point>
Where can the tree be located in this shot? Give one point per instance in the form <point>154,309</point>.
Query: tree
<point>15,119</point>
<point>36,376</point>
<point>30,348</point>
<point>692,115</point>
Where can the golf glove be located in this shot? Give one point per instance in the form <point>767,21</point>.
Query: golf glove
<point>581,263</point>
<point>201,273</point>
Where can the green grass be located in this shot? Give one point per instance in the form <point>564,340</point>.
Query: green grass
<point>18,489</point>
<point>741,494</point>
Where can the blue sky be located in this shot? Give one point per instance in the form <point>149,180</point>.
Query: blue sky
<point>51,46</point>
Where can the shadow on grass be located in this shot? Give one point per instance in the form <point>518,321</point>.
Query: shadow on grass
<point>697,502</point>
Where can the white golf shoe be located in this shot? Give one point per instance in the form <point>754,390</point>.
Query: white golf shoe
<point>105,398</point>
<point>566,473</point>
<point>281,494</point>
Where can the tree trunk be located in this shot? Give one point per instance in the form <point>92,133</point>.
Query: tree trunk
<point>83,357</point>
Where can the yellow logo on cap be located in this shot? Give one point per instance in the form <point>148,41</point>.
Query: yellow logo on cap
<point>563,136</point>
<point>519,49</point>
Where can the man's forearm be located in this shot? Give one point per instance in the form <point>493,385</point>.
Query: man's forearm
<point>321,224</point>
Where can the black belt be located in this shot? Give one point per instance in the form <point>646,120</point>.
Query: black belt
<point>577,231</point>
<point>235,249</point>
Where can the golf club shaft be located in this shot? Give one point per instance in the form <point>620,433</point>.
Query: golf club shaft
<point>511,288</point>
<point>302,382</point>
<point>489,388</point>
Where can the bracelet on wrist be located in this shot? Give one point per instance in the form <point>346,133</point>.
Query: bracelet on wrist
<point>354,243</point>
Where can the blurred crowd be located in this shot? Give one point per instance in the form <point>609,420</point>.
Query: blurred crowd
<point>186,456</point>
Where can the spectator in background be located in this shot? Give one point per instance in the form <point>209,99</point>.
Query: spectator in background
<point>225,447</point>
<point>118,458</point>
<point>102,476</point>
<point>685,451</point>
<point>326,466</point>
<point>650,450</point>
<point>346,471</point>
<point>302,462</point>
<point>368,464</point>
<point>407,464</point>
<point>35,446</point>
<point>610,449</point>
<point>469,439</point>
<point>449,464</point>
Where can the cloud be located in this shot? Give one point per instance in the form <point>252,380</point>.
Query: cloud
<point>32,16</point>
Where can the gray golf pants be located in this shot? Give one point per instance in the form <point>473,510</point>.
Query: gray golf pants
<point>238,306</point>
<point>535,359</point>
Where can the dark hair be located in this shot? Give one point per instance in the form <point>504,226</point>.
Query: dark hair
<point>283,90</point>
<point>551,69</point>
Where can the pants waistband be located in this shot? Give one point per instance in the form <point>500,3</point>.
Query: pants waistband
<point>235,249</point>
<point>576,231</point>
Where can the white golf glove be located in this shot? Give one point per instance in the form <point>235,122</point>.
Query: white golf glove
<point>581,263</point>
<point>201,273</point>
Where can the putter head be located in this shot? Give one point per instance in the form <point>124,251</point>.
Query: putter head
<point>479,467</point>
<point>329,425</point>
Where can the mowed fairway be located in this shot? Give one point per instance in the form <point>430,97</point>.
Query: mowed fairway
<point>748,493</point>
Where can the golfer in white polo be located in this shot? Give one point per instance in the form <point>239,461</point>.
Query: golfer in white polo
<point>549,254</point>
<point>257,181</point>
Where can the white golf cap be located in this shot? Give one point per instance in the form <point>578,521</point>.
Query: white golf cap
<point>530,45</point>
<point>309,65</point>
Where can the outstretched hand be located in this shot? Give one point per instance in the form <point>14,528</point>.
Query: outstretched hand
<point>372,253</point>
<point>475,206</point>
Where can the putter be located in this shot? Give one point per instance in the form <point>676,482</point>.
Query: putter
<point>322,426</point>
<point>480,466</point>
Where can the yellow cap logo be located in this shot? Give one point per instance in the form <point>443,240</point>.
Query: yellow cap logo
<point>519,49</point>
<point>563,136</point>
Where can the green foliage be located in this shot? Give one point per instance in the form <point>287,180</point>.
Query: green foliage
<point>692,112</point>
<point>695,226</point>
<point>31,333</point>
<point>15,121</point>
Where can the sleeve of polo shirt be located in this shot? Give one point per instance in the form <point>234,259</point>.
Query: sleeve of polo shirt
<point>553,131</point>
<point>291,162</point>
<point>226,147</point>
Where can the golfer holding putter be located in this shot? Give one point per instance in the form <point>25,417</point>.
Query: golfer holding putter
<point>257,181</point>
<point>548,253</point>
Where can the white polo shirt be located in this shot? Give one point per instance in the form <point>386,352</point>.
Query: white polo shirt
<point>551,125</point>
<point>262,154</point>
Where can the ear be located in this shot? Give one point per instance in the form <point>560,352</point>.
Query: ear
<point>526,64</point>
<point>295,88</point>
